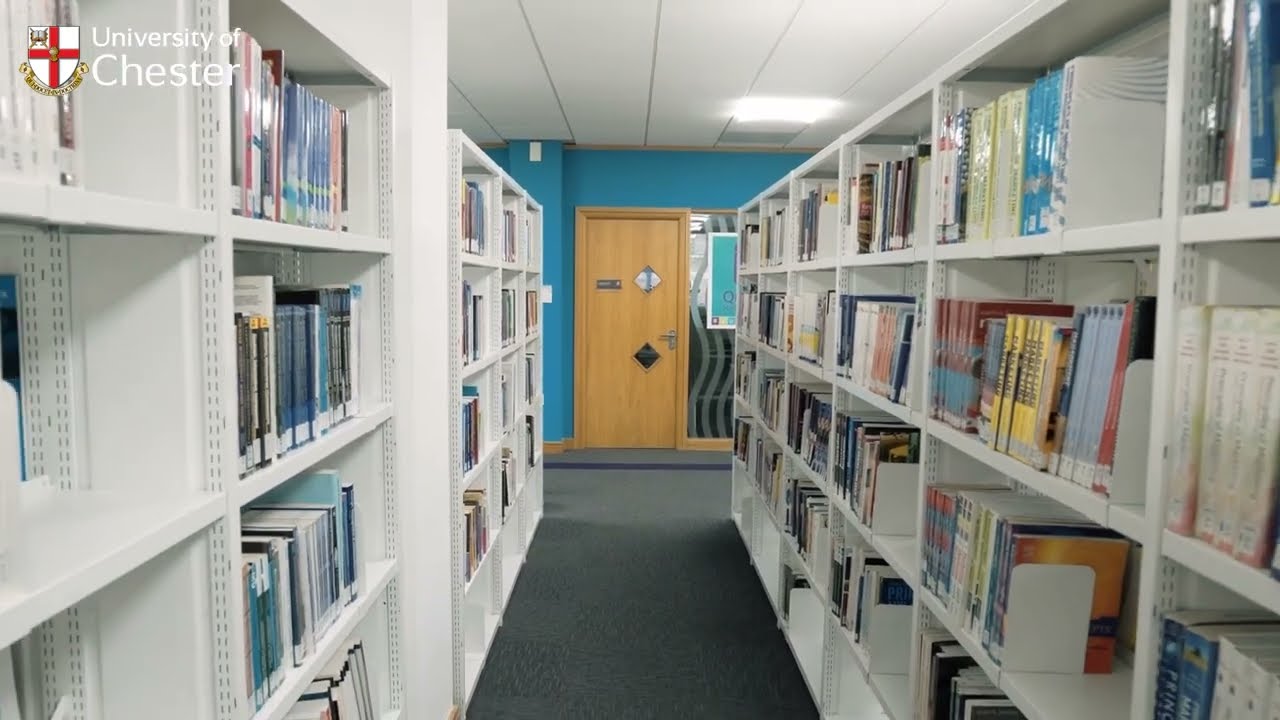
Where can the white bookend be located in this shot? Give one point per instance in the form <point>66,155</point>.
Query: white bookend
<point>1107,164</point>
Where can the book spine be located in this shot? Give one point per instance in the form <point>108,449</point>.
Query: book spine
<point>1262,116</point>
<point>1229,481</point>
<point>1260,429</point>
<point>1188,415</point>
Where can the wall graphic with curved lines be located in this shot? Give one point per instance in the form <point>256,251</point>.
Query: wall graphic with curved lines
<point>710,351</point>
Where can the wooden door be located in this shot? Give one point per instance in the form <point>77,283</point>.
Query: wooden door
<point>631,303</point>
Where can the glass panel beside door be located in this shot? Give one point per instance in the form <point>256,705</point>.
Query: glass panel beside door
<point>710,347</point>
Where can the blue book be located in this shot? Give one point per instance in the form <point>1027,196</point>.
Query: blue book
<point>255,632</point>
<point>11,355</point>
<point>324,488</point>
<point>1031,149</point>
<point>1262,34</point>
<point>1198,667</point>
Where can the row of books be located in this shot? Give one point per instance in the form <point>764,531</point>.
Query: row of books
<point>806,518</point>
<point>863,442</point>
<point>473,436</point>
<point>530,433</point>
<point>475,515</point>
<point>532,305</point>
<point>1039,381</point>
<point>951,685</point>
<point>768,315</point>
<point>819,223</point>
<point>508,315</point>
<point>510,236</point>
<point>875,337</point>
<point>772,395</point>
<point>764,463</point>
<point>474,226</point>
<point>809,411</point>
<point>744,375</point>
<point>506,481</point>
<point>507,319</point>
<point>889,202</point>
<point>289,147</point>
<point>975,538</point>
<point>1224,450</point>
<point>473,324</point>
<point>1239,119</point>
<point>342,691</point>
<point>854,577</point>
<point>11,356</point>
<point>1005,165</point>
<point>1218,664</point>
<point>861,580</point>
<point>507,394</point>
<point>530,377</point>
<point>762,242</point>
<point>41,132</point>
<point>812,313</point>
<point>297,364</point>
<point>300,568</point>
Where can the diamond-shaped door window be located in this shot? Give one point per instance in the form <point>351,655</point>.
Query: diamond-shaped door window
<point>647,280</point>
<point>647,357</point>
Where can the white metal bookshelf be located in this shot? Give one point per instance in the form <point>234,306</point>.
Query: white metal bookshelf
<point>1180,257</point>
<point>510,436</point>
<point>122,592</point>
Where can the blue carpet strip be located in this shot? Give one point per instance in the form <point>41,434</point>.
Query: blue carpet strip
<point>699,467</point>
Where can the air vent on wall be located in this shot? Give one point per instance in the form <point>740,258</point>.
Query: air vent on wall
<point>762,138</point>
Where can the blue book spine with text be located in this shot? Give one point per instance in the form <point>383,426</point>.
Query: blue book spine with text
<point>11,360</point>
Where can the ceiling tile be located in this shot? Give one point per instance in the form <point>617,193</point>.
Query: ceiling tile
<point>493,61</point>
<point>954,27</point>
<point>708,53</point>
<point>832,43</point>
<point>599,55</point>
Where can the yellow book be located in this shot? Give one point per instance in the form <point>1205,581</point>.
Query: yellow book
<point>1014,336</point>
<point>1028,377</point>
<point>1058,341</point>
<point>979,570</point>
<point>996,420</point>
<point>1013,137</point>
<point>981,140</point>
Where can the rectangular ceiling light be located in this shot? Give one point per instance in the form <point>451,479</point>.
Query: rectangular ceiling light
<point>794,110</point>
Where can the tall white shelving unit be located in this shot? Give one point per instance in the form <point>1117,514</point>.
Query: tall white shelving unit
<point>480,600</point>
<point>121,594</point>
<point>1182,258</point>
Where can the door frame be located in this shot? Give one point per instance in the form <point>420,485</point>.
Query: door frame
<point>580,299</point>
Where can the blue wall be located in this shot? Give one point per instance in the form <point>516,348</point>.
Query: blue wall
<point>568,178</point>
<point>501,156</point>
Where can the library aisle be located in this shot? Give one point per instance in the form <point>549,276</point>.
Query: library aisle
<point>638,601</point>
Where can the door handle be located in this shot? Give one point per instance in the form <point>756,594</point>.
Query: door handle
<point>670,337</point>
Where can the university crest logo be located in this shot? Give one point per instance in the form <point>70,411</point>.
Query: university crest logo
<point>54,66</point>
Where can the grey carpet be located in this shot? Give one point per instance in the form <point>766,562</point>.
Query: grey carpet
<point>637,602</point>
